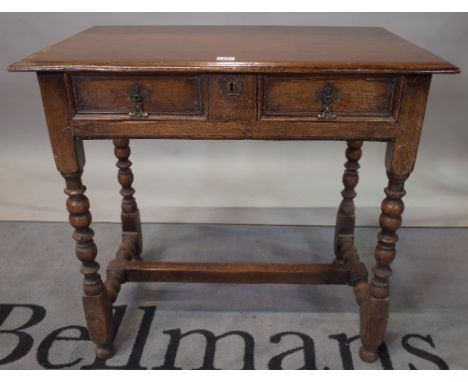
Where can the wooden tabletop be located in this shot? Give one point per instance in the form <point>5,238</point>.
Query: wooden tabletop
<point>235,49</point>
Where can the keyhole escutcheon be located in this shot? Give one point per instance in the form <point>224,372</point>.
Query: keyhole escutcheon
<point>231,86</point>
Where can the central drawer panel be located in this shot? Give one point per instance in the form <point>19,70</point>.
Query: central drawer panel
<point>358,98</point>
<point>163,95</point>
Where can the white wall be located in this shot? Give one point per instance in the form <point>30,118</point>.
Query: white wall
<point>236,181</point>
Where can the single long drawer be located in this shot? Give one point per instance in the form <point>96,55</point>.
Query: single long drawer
<point>139,97</point>
<point>329,98</point>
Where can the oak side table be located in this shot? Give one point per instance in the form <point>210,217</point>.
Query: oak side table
<point>269,83</point>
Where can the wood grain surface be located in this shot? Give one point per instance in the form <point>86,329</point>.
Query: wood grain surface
<point>254,48</point>
<point>169,95</point>
<point>284,83</point>
<point>246,273</point>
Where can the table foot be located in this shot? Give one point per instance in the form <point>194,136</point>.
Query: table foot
<point>105,352</point>
<point>368,355</point>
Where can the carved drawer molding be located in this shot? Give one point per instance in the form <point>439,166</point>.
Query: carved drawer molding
<point>139,97</point>
<point>329,98</point>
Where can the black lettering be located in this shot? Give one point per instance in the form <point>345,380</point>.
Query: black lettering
<point>344,343</point>
<point>345,352</point>
<point>25,341</point>
<point>441,364</point>
<point>210,349</point>
<point>384,356</point>
<point>133,362</point>
<point>46,344</point>
<point>307,348</point>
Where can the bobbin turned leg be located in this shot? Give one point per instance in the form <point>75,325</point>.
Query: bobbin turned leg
<point>70,159</point>
<point>345,218</point>
<point>375,312</point>
<point>96,302</point>
<point>130,215</point>
<point>345,251</point>
<point>399,162</point>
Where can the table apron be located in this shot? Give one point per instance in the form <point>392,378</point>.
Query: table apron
<point>255,130</point>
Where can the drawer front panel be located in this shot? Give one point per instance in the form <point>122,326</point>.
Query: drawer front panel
<point>288,97</point>
<point>162,95</point>
<point>233,97</point>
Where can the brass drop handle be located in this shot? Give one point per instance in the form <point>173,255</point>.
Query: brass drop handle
<point>138,94</point>
<point>327,95</point>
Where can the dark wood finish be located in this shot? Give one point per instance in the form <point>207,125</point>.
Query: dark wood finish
<point>116,275</point>
<point>256,49</point>
<point>97,306</point>
<point>377,304</point>
<point>402,150</point>
<point>69,159</point>
<point>284,83</point>
<point>99,128</point>
<point>68,152</point>
<point>345,250</point>
<point>345,217</point>
<point>245,114</point>
<point>172,96</point>
<point>238,273</point>
<point>295,97</point>
<point>235,104</point>
<point>400,160</point>
<point>130,215</point>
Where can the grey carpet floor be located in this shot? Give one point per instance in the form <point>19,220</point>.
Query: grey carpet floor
<point>191,326</point>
